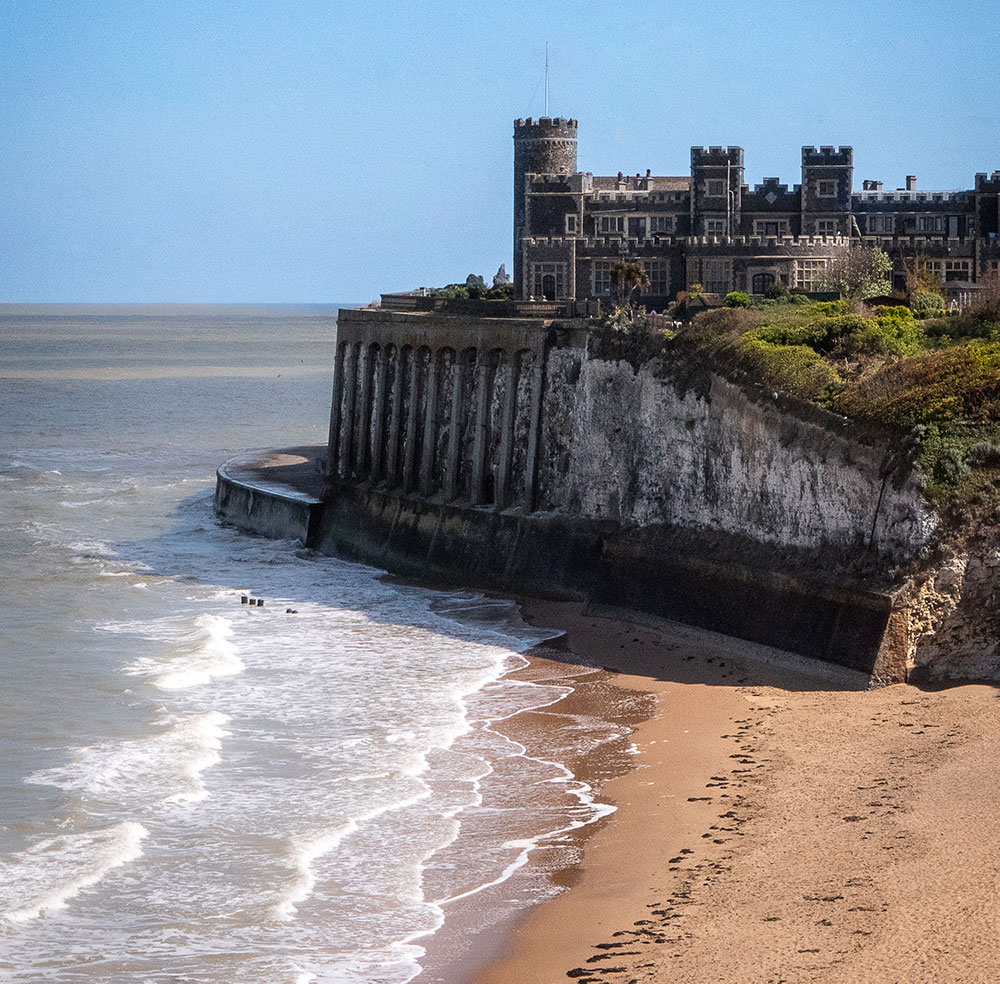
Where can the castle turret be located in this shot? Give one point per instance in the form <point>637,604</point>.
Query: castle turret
<point>543,146</point>
<point>716,190</point>
<point>827,185</point>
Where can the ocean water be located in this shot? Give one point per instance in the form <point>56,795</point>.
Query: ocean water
<point>191,790</point>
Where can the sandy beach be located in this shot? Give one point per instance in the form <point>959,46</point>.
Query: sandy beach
<point>780,824</point>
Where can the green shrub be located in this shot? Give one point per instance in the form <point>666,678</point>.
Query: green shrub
<point>776,291</point>
<point>927,304</point>
<point>452,291</point>
<point>794,369</point>
<point>949,330</point>
<point>830,308</point>
<point>949,468</point>
<point>811,333</point>
<point>737,299</point>
<point>891,332</point>
<point>957,383</point>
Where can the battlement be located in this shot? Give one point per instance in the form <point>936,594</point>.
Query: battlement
<point>716,155</point>
<point>550,182</point>
<point>827,156</point>
<point>771,184</point>
<point>544,126</point>
<point>785,242</point>
<point>986,181</point>
<point>722,244</point>
<point>931,197</point>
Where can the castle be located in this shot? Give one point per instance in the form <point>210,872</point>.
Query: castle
<point>710,228</point>
<point>503,444</point>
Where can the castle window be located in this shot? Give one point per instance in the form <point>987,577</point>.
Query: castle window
<point>957,269</point>
<point>602,277</point>
<point>877,224</point>
<point>612,223</point>
<point>993,270</point>
<point>658,274</point>
<point>930,223</point>
<point>715,189</point>
<point>661,223</point>
<point>809,274</point>
<point>549,280</point>
<point>826,227</point>
<point>827,189</point>
<point>717,276</point>
<point>715,227</point>
<point>571,223</point>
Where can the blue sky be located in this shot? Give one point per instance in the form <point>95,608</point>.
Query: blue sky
<point>307,151</point>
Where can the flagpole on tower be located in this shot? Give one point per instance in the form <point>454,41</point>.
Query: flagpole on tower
<point>546,78</point>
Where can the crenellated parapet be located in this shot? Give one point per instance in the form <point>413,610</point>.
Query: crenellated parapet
<point>544,126</point>
<point>716,156</point>
<point>827,157</point>
<point>630,244</point>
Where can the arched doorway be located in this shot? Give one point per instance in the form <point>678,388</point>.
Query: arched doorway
<point>761,281</point>
<point>549,287</point>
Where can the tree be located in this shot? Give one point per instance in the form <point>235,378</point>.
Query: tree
<point>475,285</point>
<point>920,278</point>
<point>857,272</point>
<point>626,276</point>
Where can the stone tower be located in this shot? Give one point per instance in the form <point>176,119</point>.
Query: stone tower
<point>827,186</point>
<point>542,146</point>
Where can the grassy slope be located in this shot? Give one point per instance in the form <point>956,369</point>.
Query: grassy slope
<point>939,376</point>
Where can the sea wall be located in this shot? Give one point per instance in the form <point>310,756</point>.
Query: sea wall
<point>248,497</point>
<point>513,454</point>
<point>522,414</point>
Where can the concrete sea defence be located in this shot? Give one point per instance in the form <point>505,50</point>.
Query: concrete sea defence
<point>270,493</point>
<point>521,455</point>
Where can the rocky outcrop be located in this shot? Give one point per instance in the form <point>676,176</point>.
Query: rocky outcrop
<point>953,617</point>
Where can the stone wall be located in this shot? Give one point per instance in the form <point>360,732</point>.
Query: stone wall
<point>678,445</point>
<point>667,488</point>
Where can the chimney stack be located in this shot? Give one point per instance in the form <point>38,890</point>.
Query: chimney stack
<point>911,182</point>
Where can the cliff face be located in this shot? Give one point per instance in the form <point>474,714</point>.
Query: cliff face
<point>954,619</point>
<point>509,454</point>
<point>670,443</point>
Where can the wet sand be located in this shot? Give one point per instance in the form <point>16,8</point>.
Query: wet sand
<point>778,826</point>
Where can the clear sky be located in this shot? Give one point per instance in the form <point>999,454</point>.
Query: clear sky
<point>308,151</point>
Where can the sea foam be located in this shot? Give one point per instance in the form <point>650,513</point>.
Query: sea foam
<point>197,655</point>
<point>165,767</point>
<point>303,851</point>
<point>46,875</point>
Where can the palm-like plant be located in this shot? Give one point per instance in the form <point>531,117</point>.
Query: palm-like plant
<point>627,277</point>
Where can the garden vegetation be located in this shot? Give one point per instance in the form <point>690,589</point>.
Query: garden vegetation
<point>910,366</point>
